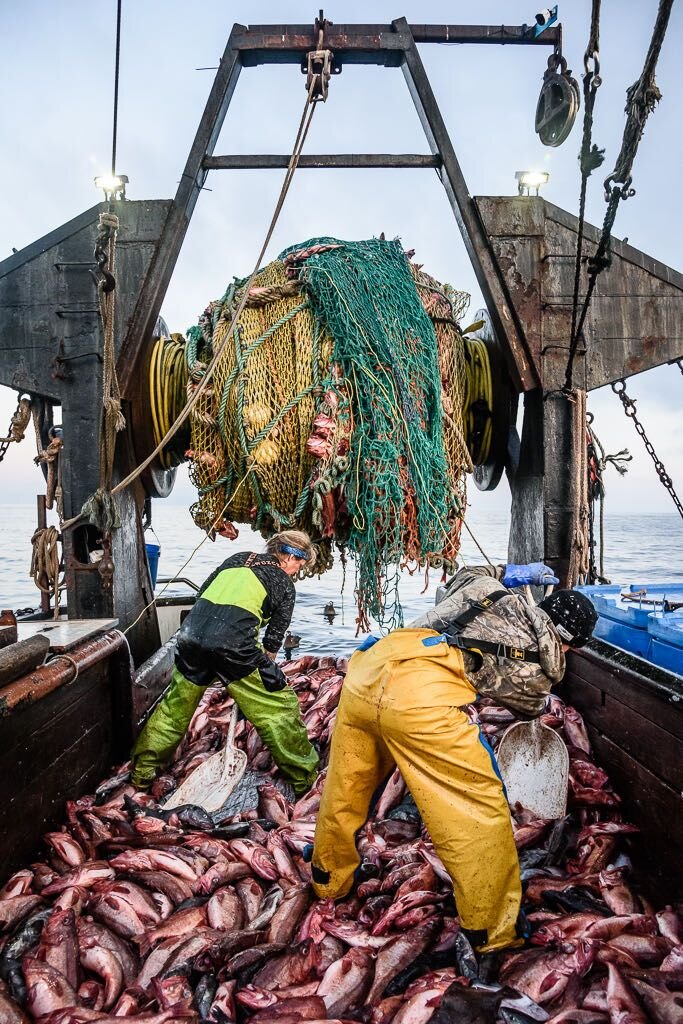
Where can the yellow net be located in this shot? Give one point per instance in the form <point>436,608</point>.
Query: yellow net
<point>270,437</point>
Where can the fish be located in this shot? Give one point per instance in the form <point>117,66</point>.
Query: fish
<point>396,954</point>
<point>92,934</point>
<point>249,960</point>
<point>346,982</point>
<point>85,876</point>
<point>225,910</point>
<point>23,938</point>
<point>266,912</point>
<point>418,898</point>
<point>18,884</point>
<point>46,989</point>
<point>106,965</point>
<point>66,848</point>
<point>153,860</point>
<point>223,1010</point>
<point>170,885</point>
<point>273,805</point>
<point>282,858</point>
<point>182,922</point>
<point>205,993</point>
<point>664,1006</point>
<point>258,859</point>
<point>287,916</point>
<point>670,925</point>
<point>107,788</point>
<point>623,1005</point>
<point>221,873</point>
<point>10,1012</point>
<point>15,908</point>
<point>58,945</point>
<point>251,894</point>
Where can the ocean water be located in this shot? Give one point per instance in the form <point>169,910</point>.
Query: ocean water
<point>639,549</point>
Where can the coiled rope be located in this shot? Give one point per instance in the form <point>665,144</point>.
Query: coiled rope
<point>45,564</point>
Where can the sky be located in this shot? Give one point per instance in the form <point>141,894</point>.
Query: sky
<point>56,89</point>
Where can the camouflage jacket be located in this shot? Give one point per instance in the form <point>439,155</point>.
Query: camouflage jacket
<point>520,685</point>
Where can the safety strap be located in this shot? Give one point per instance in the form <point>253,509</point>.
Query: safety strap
<point>476,608</point>
<point>474,644</point>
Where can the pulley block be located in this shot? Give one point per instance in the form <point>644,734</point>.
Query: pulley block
<point>558,103</point>
<point>490,404</point>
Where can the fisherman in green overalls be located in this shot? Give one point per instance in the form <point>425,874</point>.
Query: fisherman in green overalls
<point>220,639</point>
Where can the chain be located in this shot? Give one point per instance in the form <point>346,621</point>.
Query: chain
<point>590,158</point>
<point>619,389</point>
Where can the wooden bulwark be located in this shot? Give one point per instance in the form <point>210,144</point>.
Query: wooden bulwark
<point>60,739</point>
<point>634,715</point>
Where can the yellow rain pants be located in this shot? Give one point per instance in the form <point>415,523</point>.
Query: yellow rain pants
<point>400,705</point>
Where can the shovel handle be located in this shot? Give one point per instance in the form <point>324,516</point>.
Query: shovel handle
<point>530,597</point>
<point>230,738</point>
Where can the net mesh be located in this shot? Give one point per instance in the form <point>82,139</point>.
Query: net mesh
<point>336,407</point>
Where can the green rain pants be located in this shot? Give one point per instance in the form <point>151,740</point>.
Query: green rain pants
<point>276,716</point>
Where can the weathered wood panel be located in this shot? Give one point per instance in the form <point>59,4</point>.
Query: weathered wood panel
<point>61,745</point>
<point>634,716</point>
<point>656,809</point>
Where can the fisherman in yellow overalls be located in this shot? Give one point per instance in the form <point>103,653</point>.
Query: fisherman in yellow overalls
<point>402,704</point>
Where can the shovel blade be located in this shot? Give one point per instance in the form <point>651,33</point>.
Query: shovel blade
<point>210,785</point>
<point>534,763</point>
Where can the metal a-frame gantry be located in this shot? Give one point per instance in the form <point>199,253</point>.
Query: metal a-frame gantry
<point>391,46</point>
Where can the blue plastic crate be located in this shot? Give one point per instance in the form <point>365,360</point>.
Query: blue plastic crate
<point>610,604</point>
<point>666,631</point>
<point>629,638</point>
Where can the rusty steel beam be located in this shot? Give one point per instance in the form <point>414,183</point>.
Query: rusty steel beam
<point>40,682</point>
<point>258,161</point>
<point>375,44</point>
<point>505,321</point>
<point>191,183</point>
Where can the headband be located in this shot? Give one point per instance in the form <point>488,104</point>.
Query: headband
<point>297,552</point>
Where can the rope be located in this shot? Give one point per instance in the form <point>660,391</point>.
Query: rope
<point>479,402</point>
<point>168,381</point>
<point>50,457</point>
<point>20,420</point>
<point>579,551</point>
<point>597,463</point>
<point>641,99</point>
<point>45,564</point>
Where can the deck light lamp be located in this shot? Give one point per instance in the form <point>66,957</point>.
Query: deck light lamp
<point>113,185</point>
<point>531,180</point>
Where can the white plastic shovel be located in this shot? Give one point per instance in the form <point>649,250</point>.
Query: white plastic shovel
<point>210,785</point>
<point>534,763</point>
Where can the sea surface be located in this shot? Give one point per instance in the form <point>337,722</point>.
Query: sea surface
<point>639,549</point>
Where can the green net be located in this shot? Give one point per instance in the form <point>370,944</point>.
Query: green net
<point>398,493</point>
<point>336,407</point>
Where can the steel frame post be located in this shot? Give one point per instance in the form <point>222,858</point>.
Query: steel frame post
<point>383,45</point>
<point>191,183</point>
<point>501,309</point>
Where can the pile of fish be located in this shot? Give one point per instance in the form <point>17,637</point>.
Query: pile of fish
<point>163,916</point>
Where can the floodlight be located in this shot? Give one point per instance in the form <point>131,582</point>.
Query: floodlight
<point>528,180</point>
<point>113,185</point>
